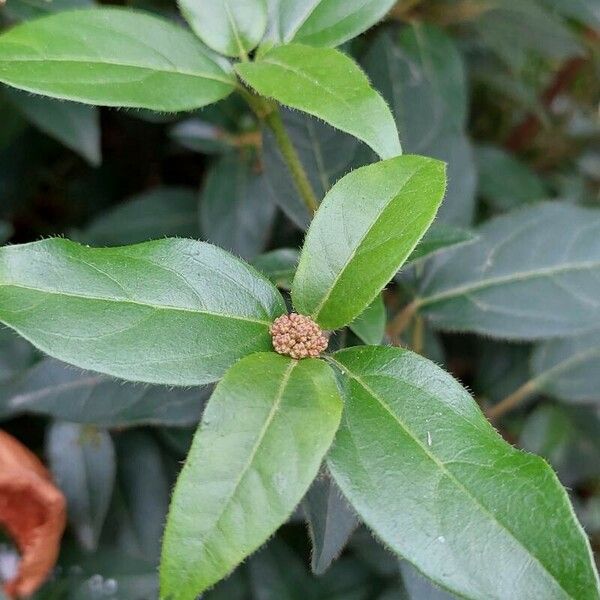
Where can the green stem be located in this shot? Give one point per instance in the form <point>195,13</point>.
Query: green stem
<point>275,123</point>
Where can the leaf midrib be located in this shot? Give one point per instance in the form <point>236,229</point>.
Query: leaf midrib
<point>511,278</point>
<point>444,469</point>
<point>134,302</point>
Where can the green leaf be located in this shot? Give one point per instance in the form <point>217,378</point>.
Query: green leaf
<point>567,369</point>
<point>202,136</point>
<point>504,181</point>
<point>445,491</point>
<point>82,462</point>
<point>421,74</point>
<point>533,273</point>
<point>230,27</point>
<point>90,56</point>
<point>440,237</point>
<point>154,214</point>
<point>325,153</point>
<point>16,355</point>
<point>74,125</point>
<point>279,266</point>
<point>21,10</point>
<point>353,248</point>
<point>330,520</point>
<point>262,438</point>
<point>171,311</point>
<point>329,85</point>
<point>235,211</point>
<point>143,492</point>
<point>323,22</point>
<point>57,390</point>
<point>369,326</point>
<point>418,587</point>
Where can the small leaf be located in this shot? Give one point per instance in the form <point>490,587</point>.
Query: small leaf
<point>230,27</point>
<point>504,181</point>
<point>353,247</point>
<point>262,438</point>
<point>331,522</point>
<point>325,153</point>
<point>90,56</point>
<point>279,266</point>
<point>82,461</point>
<point>154,214</point>
<point>329,85</point>
<point>440,237</point>
<point>57,390</point>
<point>74,125</point>
<point>235,212</point>
<point>323,22</point>
<point>170,311</point>
<point>369,326</point>
<point>532,274</point>
<point>202,136</point>
<point>445,491</point>
<point>567,368</point>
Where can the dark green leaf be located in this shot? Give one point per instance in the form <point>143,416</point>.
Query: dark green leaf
<point>158,213</point>
<point>568,369</point>
<point>57,390</point>
<point>82,461</point>
<point>143,495</point>
<point>30,9</point>
<point>325,153</point>
<point>323,22</point>
<point>440,237</point>
<point>422,76</point>
<point>5,231</point>
<point>16,355</point>
<point>279,266</point>
<point>201,136</point>
<point>504,181</point>
<point>90,56</point>
<point>262,438</point>
<point>231,27</point>
<point>235,211</point>
<point>369,326</point>
<point>419,588</point>
<point>445,491</point>
<point>329,85</point>
<point>170,311</point>
<point>533,273</point>
<point>353,248</point>
<point>331,522</point>
<point>587,12</point>
<point>75,125</point>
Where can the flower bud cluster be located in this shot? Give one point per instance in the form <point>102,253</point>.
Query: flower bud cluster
<point>297,336</point>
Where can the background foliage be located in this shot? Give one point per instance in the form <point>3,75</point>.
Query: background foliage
<point>506,93</point>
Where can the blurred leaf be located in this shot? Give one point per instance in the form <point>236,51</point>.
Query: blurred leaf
<point>459,494</point>
<point>154,214</point>
<point>352,248</point>
<point>323,22</point>
<point>279,266</point>
<point>16,355</point>
<point>90,56</point>
<point>237,442</point>
<point>6,231</point>
<point>170,311</point>
<point>513,29</point>
<point>82,462</point>
<point>421,74</point>
<point>235,211</point>
<point>440,237</point>
<point>57,390</point>
<point>142,499</point>
<point>202,136</point>
<point>326,84</point>
<point>569,368</point>
<point>325,153</point>
<point>75,125</point>
<point>504,181</point>
<point>330,520</point>
<point>418,587</point>
<point>532,274</point>
<point>230,27</point>
<point>587,12</point>
<point>369,326</point>
<point>23,10</point>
